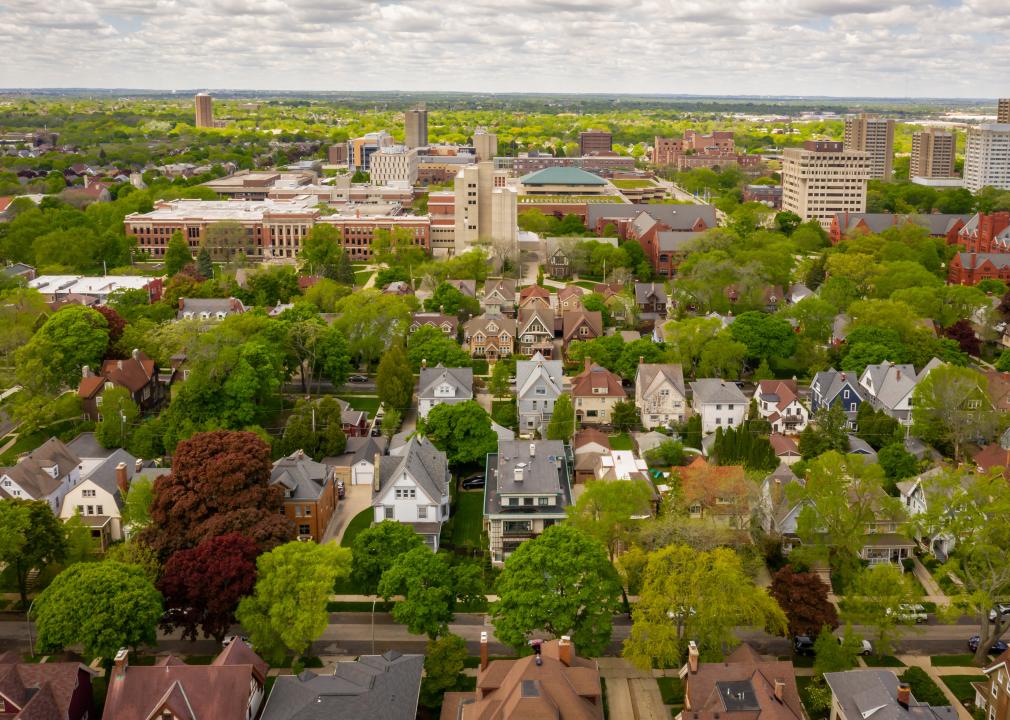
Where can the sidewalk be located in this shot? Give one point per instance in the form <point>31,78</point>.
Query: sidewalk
<point>933,591</point>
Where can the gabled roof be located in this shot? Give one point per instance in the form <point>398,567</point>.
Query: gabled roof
<point>714,390</point>
<point>645,291</point>
<point>423,463</point>
<point>536,370</point>
<point>134,373</point>
<point>460,379</point>
<point>652,377</point>
<point>32,473</point>
<point>744,687</point>
<point>42,691</point>
<point>675,217</point>
<point>586,436</point>
<point>301,477</point>
<point>480,323</point>
<point>783,445</point>
<point>781,393</point>
<point>597,381</point>
<point>828,383</point>
<point>530,315</point>
<point>570,290</point>
<point>502,288</point>
<point>890,383</point>
<point>873,695</point>
<point>574,319</point>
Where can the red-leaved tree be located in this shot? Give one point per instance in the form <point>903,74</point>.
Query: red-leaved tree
<point>219,484</point>
<point>963,332</point>
<point>803,596</point>
<point>202,586</point>
<point>116,323</point>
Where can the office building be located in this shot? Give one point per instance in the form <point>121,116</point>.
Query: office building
<point>987,157</point>
<point>874,136</point>
<point>486,144</point>
<point>694,150</point>
<point>360,149</point>
<point>394,165</point>
<point>204,110</point>
<point>337,154</point>
<point>932,154</point>
<point>594,142</point>
<point>415,127</point>
<point>485,208</point>
<point>821,179</point>
<point>1003,111</point>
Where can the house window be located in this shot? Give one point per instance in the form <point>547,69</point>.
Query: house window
<point>541,391</point>
<point>845,394</point>
<point>389,512</point>
<point>543,501</point>
<point>852,407</point>
<point>406,493</point>
<point>422,512</point>
<point>91,509</point>
<point>718,406</point>
<point>308,511</point>
<point>298,511</point>
<point>88,493</point>
<point>100,509</point>
<point>80,509</point>
<point>718,421</point>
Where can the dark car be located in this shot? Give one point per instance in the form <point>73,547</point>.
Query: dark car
<point>376,431</point>
<point>998,647</point>
<point>358,378</point>
<point>474,482</point>
<point>340,489</point>
<point>803,645</point>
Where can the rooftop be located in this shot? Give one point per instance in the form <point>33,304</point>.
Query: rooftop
<point>562,176</point>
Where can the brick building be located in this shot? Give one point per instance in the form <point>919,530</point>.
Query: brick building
<point>594,142</point>
<point>984,233</point>
<point>973,268</point>
<point>938,225</point>
<point>695,150</point>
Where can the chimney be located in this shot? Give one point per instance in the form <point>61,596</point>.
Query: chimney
<point>121,663</point>
<point>586,362</point>
<point>121,480</point>
<point>135,354</point>
<point>780,690</point>
<point>85,371</point>
<point>517,475</point>
<point>692,657</point>
<point>377,478</point>
<point>641,359</point>
<point>424,362</point>
<point>182,303</point>
<point>904,694</point>
<point>533,449</point>
<point>566,651</point>
<point>138,465</point>
<point>897,374</point>
<point>483,651</point>
<point>119,364</point>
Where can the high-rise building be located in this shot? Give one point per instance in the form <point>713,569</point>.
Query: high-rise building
<point>822,178</point>
<point>415,126</point>
<point>204,110</point>
<point>875,136</point>
<point>595,141</point>
<point>485,207</point>
<point>987,157</point>
<point>932,154</point>
<point>485,143</point>
<point>1003,111</point>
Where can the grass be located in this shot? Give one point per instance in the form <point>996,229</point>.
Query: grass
<point>960,685</point>
<point>585,284</point>
<point>64,429</point>
<point>672,690</point>
<point>468,521</point>
<point>632,184</point>
<point>965,660</point>
<point>621,442</point>
<point>923,687</point>
<point>359,522</point>
<point>361,277</point>
<point>359,606</point>
<point>367,403</point>
<point>803,686</point>
<point>882,661</point>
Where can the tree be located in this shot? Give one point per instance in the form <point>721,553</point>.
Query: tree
<point>394,382</point>
<point>204,263</point>
<point>723,357</point>
<point>114,321</point>
<point>224,240</point>
<point>287,610</point>
<point>136,512</point>
<point>119,415</point>
<point>71,338</point>
<point>462,431</point>
<point>220,482</point>
<point>316,428</point>
<point>448,299</point>
<point>877,427</point>
<point>177,254</point>
<point>31,538</point>
<point>692,434</point>
<point>134,553</point>
<point>704,596</point>
<point>499,384</point>
<point>562,423</point>
<point>804,598</point>
<point>787,222</point>
<point>951,406</point>
<point>964,334</point>
<point>897,463</point>
<point>375,550</point>
<point>431,345</point>
<point>624,415</point>
<point>667,453</point>
<point>606,511</point>
<point>443,664</point>
<point>560,583</point>
<point>320,252</point>
<point>272,284</point>
<point>829,431</point>
<point>766,336</point>
<point>830,655</point>
<point>103,606</point>
<point>206,583</point>
<point>875,599</point>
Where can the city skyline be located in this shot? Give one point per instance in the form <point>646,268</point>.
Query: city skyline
<point>839,48</point>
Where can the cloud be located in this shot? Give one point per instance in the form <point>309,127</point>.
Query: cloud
<point>795,47</point>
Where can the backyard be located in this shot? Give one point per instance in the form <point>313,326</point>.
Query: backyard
<point>468,522</point>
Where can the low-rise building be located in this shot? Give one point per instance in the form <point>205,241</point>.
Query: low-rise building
<point>356,466</point>
<point>938,225</point>
<point>490,336</point>
<point>535,331</point>
<point>310,493</point>
<point>440,385</point>
<point>209,308</point>
<point>660,395</point>
<point>720,403</point>
<point>888,387</point>
<point>720,495</point>
<point>580,324</point>
<point>46,473</point>
<point>651,299</point>
<point>570,298</point>
<point>595,391</point>
<point>499,296</point>
<point>539,383</point>
<point>992,695</point>
<point>138,374</point>
<point>414,490</point>
<point>58,289</point>
<point>862,694</point>
<point>447,324</point>
<point>45,691</point>
<point>778,402</point>
<point>834,387</point>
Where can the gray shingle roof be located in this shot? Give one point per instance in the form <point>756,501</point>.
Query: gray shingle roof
<point>714,390</point>
<point>1000,260</point>
<point>676,217</point>
<point>872,695</point>
<point>530,372</point>
<point>650,372</point>
<point>461,380</point>
<point>424,463</point>
<point>301,477</point>
<point>643,292</point>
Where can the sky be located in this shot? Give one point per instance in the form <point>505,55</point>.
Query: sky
<point>866,48</point>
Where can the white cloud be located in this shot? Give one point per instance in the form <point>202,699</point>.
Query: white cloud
<point>824,47</point>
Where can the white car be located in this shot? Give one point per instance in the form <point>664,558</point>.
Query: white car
<point>865,646</point>
<point>910,612</point>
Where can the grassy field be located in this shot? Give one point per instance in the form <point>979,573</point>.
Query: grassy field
<point>621,442</point>
<point>359,522</point>
<point>360,278</point>
<point>469,519</point>
<point>585,284</point>
<point>883,661</point>
<point>367,403</point>
<point>960,685</point>
<point>632,183</point>
<point>965,660</point>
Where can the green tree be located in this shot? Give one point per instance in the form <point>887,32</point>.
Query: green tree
<point>723,357</point>
<point>562,423</point>
<point>897,463</point>
<point>830,655</point>
<point>827,432</point>
<point>320,252</point>
<point>560,583</point>
<point>704,596</point>
<point>103,606</point>
<point>272,284</point>
<point>449,300</point>
<point>443,666</point>
<point>375,550</point>
<point>22,311</point>
<point>224,240</point>
<point>372,322</point>
<point>31,538</point>
<point>499,385</point>
<point>431,345</point>
<point>462,431</point>
<point>204,263</point>
<point>71,338</point>
<point>624,415</point>
<point>287,611</point>
<point>177,255</point>
<point>119,415</point>
<point>608,510</point>
<point>875,599</point>
<point>766,336</point>
<point>136,512</point>
<point>951,406</point>
<point>394,382</point>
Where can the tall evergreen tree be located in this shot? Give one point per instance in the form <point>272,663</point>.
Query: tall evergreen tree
<point>204,265</point>
<point>344,273</point>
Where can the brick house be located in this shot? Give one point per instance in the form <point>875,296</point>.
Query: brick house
<point>44,691</point>
<point>138,374</point>
<point>973,268</point>
<point>984,233</point>
<point>595,391</point>
<point>534,296</point>
<point>490,336</point>
<point>992,695</point>
<point>310,493</point>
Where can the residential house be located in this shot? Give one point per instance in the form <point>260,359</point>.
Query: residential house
<point>778,402</point>
<point>17,271</point>
<point>581,325</point>
<point>916,494</point>
<point>833,387</point>
<point>889,387</point>
<point>588,445</point>
<point>209,308</point>
<point>527,489</point>
<point>798,292</point>
<point>660,395</point>
<point>138,374</point>
<point>570,298</point>
<point>620,465</point>
<point>539,383</point>
<point>553,682</point>
<point>840,329</point>
<point>651,300</point>
<point>490,336</point>
<point>467,287</point>
<point>719,402</point>
<point>353,422</point>
<point>373,687</point>
<point>535,331</point>
<point>44,691</point>
<point>448,324</point>
<point>499,296</point>
<point>777,513</point>
<point>858,446</point>
<point>398,287</point>
<point>310,493</point>
<point>534,296</point>
<point>717,494</point>
<point>744,686</point>
<point>787,450</point>
<point>231,687</point>
<point>999,389</point>
<point>992,695</point>
<point>878,694</point>
<point>46,473</point>
<point>414,490</point>
<point>357,464</point>
<point>595,391</point>
<point>440,385</point>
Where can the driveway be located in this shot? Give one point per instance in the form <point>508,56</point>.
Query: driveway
<point>632,694</point>
<point>356,499</point>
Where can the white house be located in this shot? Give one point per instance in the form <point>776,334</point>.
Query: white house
<point>720,403</point>
<point>46,473</point>
<point>778,402</point>
<point>414,490</point>
<point>539,383</point>
<point>915,495</point>
<point>443,386</point>
<point>660,395</point>
<point>889,387</point>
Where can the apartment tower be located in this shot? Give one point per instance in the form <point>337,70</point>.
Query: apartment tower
<point>594,142</point>
<point>933,154</point>
<point>485,143</point>
<point>485,207</point>
<point>415,126</point>
<point>987,157</point>
<point>822,178</point>
<point>1003,111</point>
<point>204,110</point>
<point>875,136</point>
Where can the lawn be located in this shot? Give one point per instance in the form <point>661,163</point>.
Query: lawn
<point>923,687</point>
<point>883,661</point>
<point>621,442</point>
<point>65,430</point>
<point>367,403</point>
<point>361,277</point>
<point>672,690</point>
<point>632,184</point>
<point>960,685</point>
<point>965,660</point>
<point>585,284</point>
<point>359,522</point>
<point>468,522</point>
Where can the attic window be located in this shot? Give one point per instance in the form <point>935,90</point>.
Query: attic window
<point>530,689</point>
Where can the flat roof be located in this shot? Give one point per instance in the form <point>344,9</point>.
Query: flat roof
<point>214,210</point>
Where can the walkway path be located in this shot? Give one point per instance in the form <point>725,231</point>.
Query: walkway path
<point>356,499</point>
<point>933,590</point>
<point>632,694</point>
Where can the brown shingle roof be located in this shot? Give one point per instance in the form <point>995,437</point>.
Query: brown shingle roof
<point>56,683</point>
<point>133,373</point>
<point>743,671</point>
<point>596,381</point>
<point>574,319</point>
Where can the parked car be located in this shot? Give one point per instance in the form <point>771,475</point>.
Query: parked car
<point>474,482</point>
<point>358,378</point>
<point>865,646</point>
<point>803,645</point>
<point>998,647</point>
<point>909,613</point>
<point>376,431</point>
<point>1003,609</point>
<point>340,489</point>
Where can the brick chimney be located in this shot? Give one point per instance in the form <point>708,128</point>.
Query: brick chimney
<point>483,651</point>
<point>566,651</point>
<point>692,657</point>
<point>120,664</point>
<point>122,482</point>
<point>586,362</point>
<point>85,371</point>
<point>377,478</point>
<point>904,694</point>
<point>780,690</point>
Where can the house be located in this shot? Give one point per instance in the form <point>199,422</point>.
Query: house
<point>230,688</point>
<point>17,271</point>
<point>660,395</point>
<point>446,323</point>
<point>414,490</point>
<point>994,456</point>
<point>138,374</point>
<point>717,494</point>
<point>527,489</point>
<point>570,298</point>
<point>778,402</point>
<point>588,445</point>
<point>46,473</point>
<point>44,691</point>
<point>992,695</point>
<point>490,336</point>
<point>858,446</point>
<point>776,512</point>
<point>353,422</point>
<point>651,300</point>
<point>535,331</point>
<point>719,402</point>
<point>581,325</point>
<point>553,682</point>
<point>209,308</point>
<point>372,687</point>
<point>620,465</point>
<point>440,385</point>
<point>840,328</point>
<point>743,687</point>
<point>798,292</point>
<point>787,450</point>
<point>499,296</point>
<point>559,262</point>
<point>534,296</point>
<point>999,389</point>
<point>889,387</point>
<point>915,495</point>
<point>538,385</point>
<point>466,287</point>
<point>310,493</point>
<point>832,387</point>
<point>398,287</point>
<point>595,391</point>
<point>357,465</point>
<point>877,694</point>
